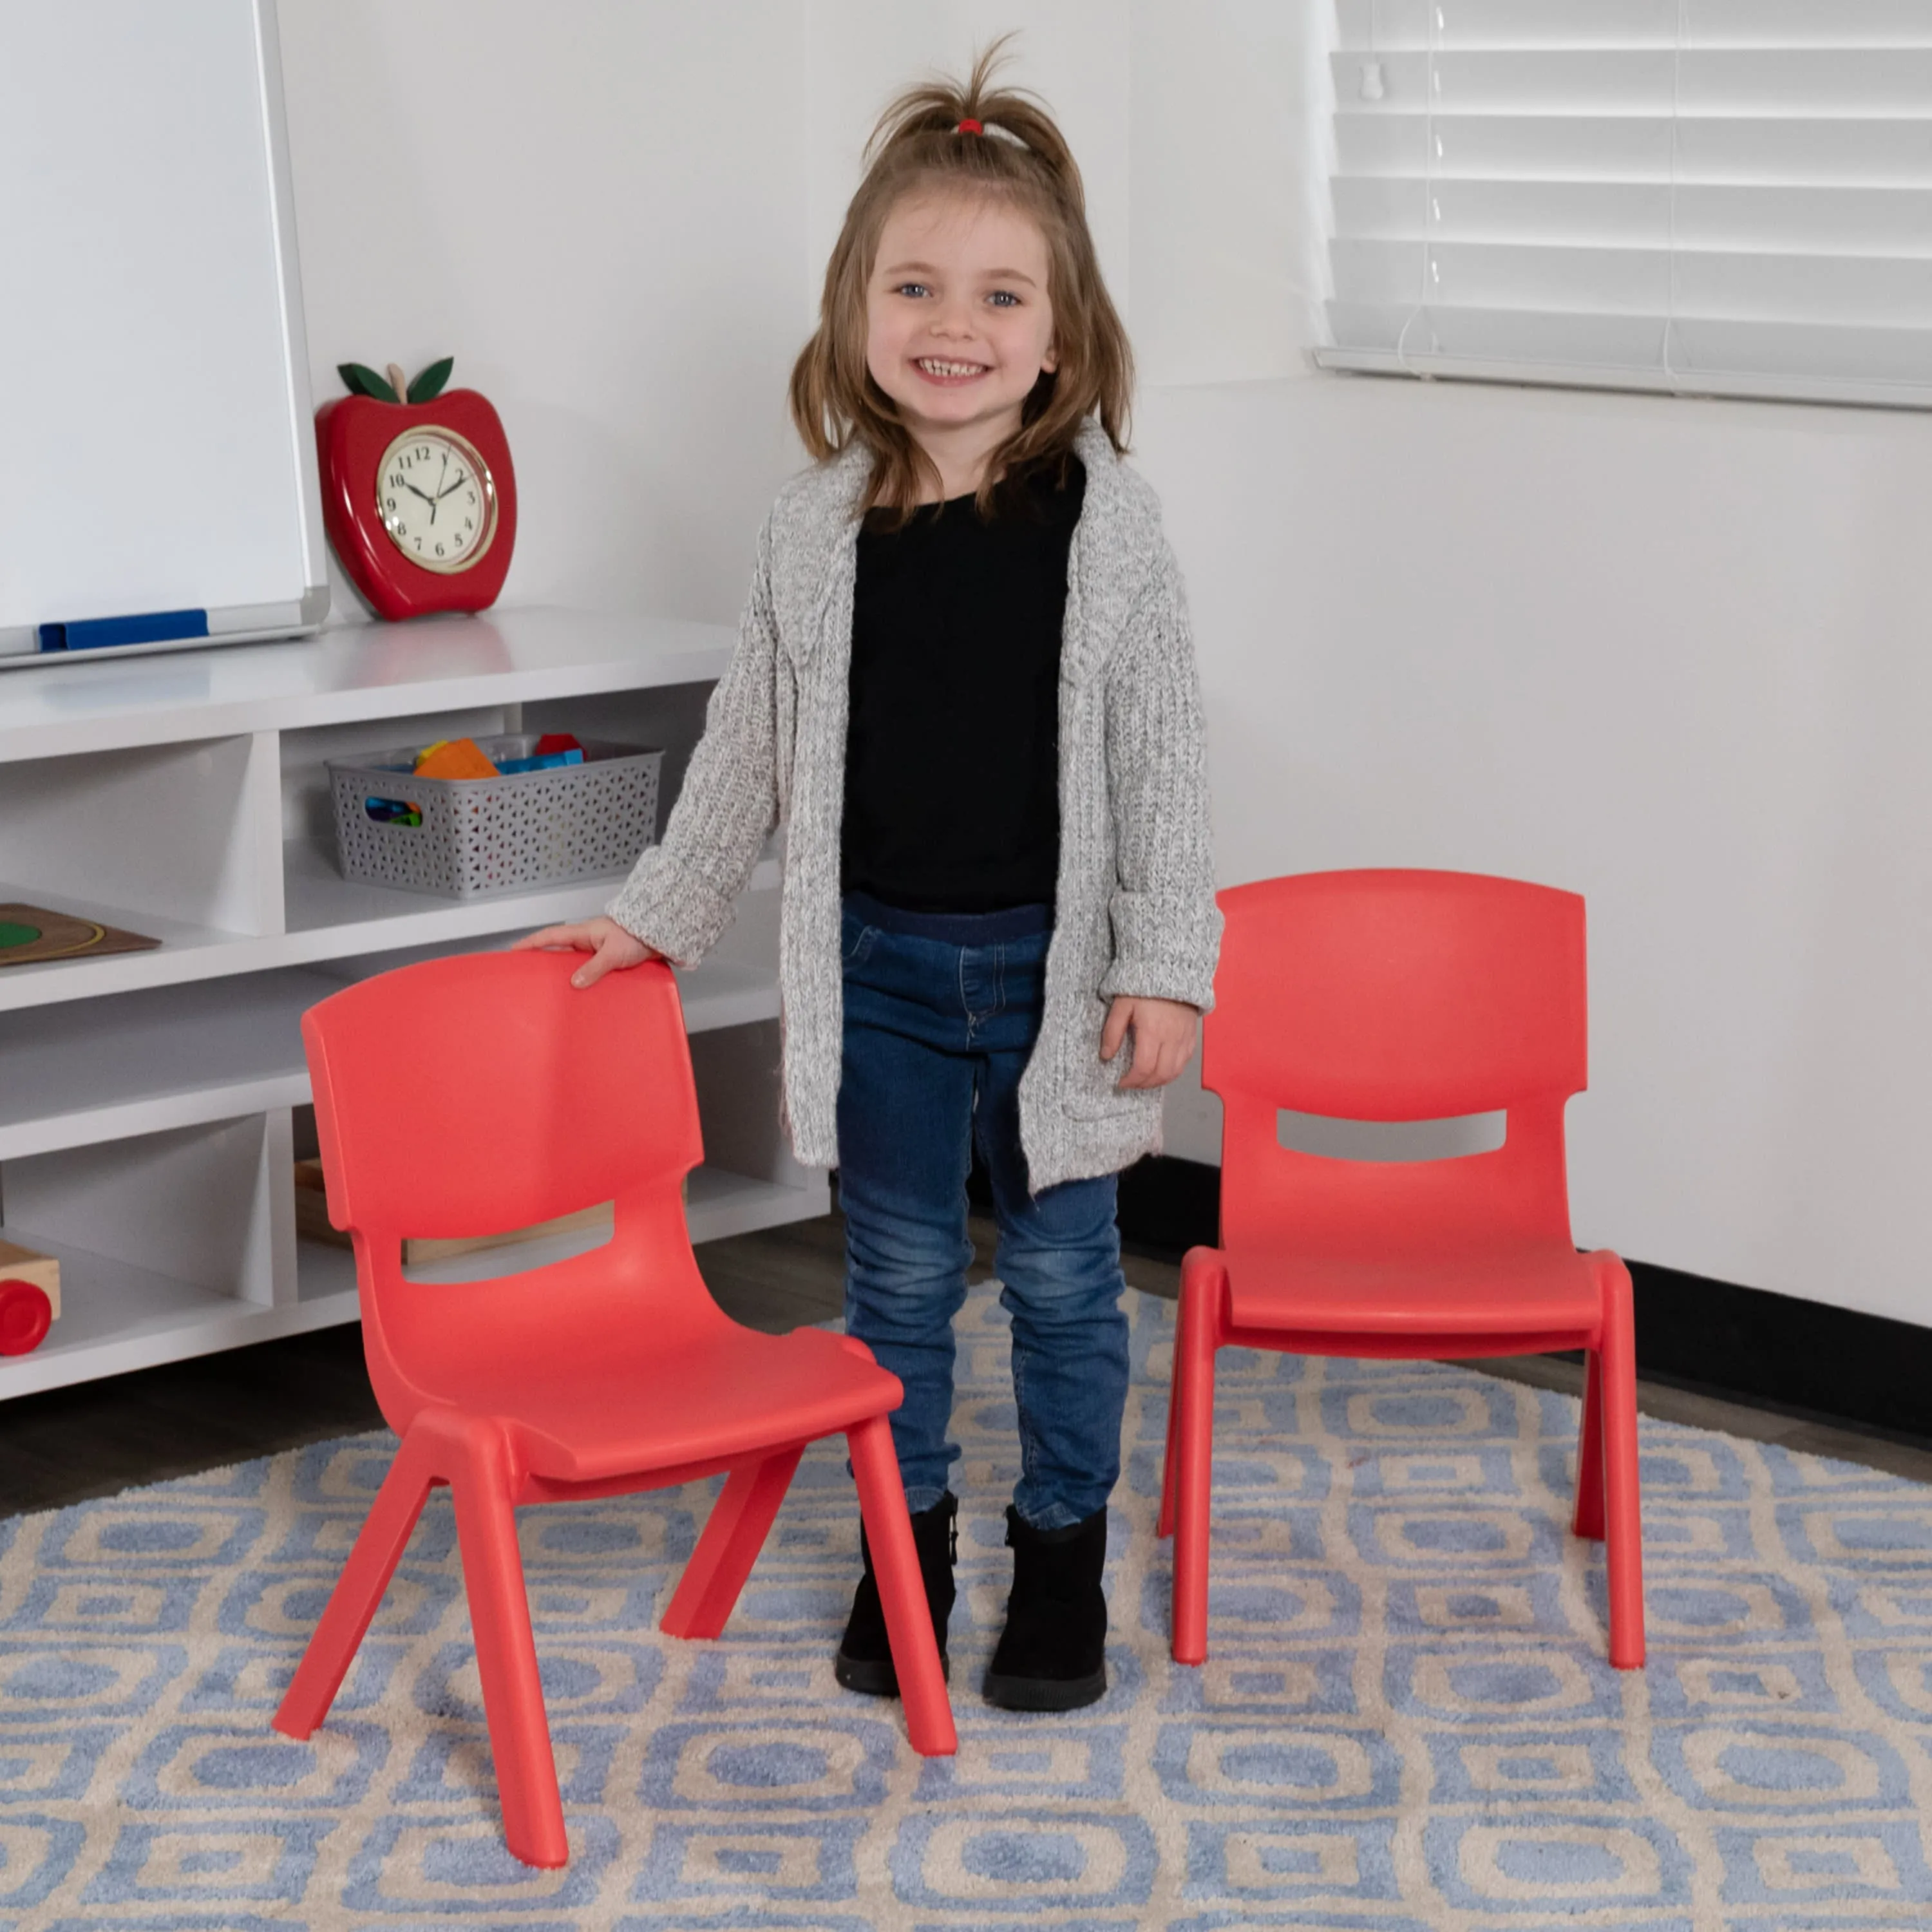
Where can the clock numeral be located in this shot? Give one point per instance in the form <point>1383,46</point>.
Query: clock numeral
<point>472,495</point>
<point>458,540</point>
<point>423,452</point>
<point>392,503</point>
<point>439,550</point>
<point>397,481</point>
<point>418,543</point>
<point>470,523</point>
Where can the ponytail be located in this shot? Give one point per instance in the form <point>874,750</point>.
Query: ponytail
<point>927,141</point>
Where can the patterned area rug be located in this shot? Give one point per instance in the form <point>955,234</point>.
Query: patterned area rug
<point>1405,1721</point>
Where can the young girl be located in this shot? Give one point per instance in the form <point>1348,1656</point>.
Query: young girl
<point>965,680</point>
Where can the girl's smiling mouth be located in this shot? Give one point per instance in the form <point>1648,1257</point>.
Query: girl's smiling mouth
<point>939,369</point>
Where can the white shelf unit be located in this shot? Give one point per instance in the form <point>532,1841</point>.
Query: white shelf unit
<point>148,1101</point>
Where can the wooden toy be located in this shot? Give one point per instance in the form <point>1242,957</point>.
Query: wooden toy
<point>312,1220</point>
<point>29,1298</point>
<point>415,1252</point>
<point>31,934</point>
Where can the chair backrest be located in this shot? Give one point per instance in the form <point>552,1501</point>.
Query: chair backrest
<point>481,1094</point>
<point>1395,995</point>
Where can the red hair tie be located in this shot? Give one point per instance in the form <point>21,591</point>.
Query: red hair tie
<point>969,127</point>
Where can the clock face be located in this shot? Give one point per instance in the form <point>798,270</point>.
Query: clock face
<point>437,499</point>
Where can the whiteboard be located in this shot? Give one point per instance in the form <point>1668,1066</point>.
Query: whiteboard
<point>156,447</point>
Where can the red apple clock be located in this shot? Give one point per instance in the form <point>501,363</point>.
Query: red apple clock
<point>417,490</point>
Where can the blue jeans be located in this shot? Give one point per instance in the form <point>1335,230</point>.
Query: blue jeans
<point>941,1012</point>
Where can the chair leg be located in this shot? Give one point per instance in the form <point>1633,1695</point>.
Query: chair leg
<point>875,1468</point>
<point>1170,1461</point>
<point>358,1593</point>
<point>1587,1519</point>
<point>733,1535</point>
<point>506,1655</point>
<point>1623,1527</point>
<point>1197,1335</point>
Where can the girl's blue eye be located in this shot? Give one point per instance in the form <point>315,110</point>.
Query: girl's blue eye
<point>1005,298</point>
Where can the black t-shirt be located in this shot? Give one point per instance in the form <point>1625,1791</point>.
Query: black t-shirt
<point>952,756</point>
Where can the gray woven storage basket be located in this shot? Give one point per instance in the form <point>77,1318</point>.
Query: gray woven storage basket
<point>480,836</point>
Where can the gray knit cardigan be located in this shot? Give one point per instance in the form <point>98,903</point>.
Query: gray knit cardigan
<point>1134,908</point>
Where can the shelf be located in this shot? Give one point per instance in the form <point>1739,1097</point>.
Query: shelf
<point>186,953</point>
<point>722,1204</point>
<point>326,1276</point>
<point>329,916</point>
<point>105,1070</point>
<point>350,672</point>
<point>116,1317</point>
<point>179,1056</point>
<point>144,1097</point>
<point>721,993</point>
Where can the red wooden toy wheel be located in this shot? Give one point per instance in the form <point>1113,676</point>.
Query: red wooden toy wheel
<point>25,1316</point>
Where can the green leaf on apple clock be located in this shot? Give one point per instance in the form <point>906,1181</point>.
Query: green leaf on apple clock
<point>364,381</point>
<point>429,385</point>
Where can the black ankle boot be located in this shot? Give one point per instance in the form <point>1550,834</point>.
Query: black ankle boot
<point>865,1659</point>
<point>1053,1653</point>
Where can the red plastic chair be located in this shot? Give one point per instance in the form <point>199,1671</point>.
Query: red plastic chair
<point>1401,996</point>
<point>471,1095</point>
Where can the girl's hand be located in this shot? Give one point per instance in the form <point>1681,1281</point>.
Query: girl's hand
<point>1164,1033</point>
<point>610,947</point>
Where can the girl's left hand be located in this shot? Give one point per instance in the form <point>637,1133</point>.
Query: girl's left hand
<point>1164,1033</point>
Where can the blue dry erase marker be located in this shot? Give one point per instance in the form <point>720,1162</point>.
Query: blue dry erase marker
<point>151,627</point>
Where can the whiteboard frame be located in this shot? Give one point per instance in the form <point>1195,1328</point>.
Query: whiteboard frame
<point>257,623</point>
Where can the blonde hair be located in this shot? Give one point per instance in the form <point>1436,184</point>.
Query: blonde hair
<point>1027,165</point>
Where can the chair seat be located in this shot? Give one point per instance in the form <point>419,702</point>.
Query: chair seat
<point>1512,1288</point>
<point>701,1400</point>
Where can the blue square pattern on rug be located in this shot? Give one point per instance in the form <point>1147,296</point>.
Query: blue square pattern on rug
<point>1406,1723</point>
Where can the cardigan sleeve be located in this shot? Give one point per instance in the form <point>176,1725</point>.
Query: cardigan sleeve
<point>1167,928</point>
<point>680,896</point>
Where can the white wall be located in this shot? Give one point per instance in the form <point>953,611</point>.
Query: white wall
<point>598,208</point>
<point>1676,656</point>
<point>1671,654</point>
<point>862,52</point>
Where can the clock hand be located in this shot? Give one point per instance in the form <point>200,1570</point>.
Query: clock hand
<point>423,493</point>
<point>460,480</point>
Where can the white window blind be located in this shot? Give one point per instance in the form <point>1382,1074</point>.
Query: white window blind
<point>1715,196</point>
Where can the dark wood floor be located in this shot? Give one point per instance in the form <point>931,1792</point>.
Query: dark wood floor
<point>68,1444</point>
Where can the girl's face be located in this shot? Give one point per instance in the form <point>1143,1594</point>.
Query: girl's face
<point>959,327</point>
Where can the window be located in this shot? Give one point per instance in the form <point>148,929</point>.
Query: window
<point>1718,197</point>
